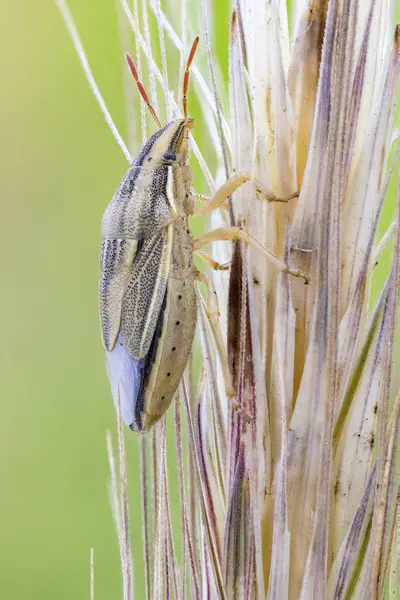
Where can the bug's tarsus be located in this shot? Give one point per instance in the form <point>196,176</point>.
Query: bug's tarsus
<point>140,87</point>
<point>215,265</point>
<point>186,76</point>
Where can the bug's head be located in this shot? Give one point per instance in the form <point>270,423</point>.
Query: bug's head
<point>178,148</point>
<point>168,146</point>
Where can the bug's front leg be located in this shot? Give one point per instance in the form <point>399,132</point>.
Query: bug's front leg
<point>236,233</point>
<point>230,186</point>
<point>213,315</point>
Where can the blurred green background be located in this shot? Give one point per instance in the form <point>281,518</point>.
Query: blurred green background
<point>59,168</point>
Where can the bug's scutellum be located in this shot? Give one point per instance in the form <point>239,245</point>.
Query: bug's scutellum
<point>147,293</point>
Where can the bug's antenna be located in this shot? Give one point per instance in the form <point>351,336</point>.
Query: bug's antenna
<point>140,87</point>
<point>186,76</point>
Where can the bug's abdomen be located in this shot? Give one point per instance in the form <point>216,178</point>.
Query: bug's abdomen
<point>171,352</point>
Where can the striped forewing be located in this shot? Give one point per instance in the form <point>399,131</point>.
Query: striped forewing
<point>116,261</point>
<point>144,292</point>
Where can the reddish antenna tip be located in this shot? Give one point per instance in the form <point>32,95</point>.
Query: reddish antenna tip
<point>140,87</point>
<point>186,75</point>
<point>192,52</point>
<point>131,65</point>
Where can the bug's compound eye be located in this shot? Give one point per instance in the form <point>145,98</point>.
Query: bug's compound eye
<point>168,158</point>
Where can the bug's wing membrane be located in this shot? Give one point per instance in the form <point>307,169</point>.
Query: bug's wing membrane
<point>125,374</point>
<point>144,293</point>
<point>116,259</point>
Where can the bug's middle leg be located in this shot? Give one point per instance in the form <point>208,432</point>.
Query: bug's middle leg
<point>236,233</point>
<point>230,186</point>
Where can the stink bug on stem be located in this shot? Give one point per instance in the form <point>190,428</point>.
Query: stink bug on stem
<point>148,305</point>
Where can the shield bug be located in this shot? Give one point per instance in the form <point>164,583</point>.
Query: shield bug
<point>148,305</point>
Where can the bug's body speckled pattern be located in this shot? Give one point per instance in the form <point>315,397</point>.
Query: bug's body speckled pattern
<point>147,292</point>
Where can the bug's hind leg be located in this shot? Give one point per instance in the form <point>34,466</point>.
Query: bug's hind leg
<point>213,315</point>
<point>236,233</point>
<point>231,185</point>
